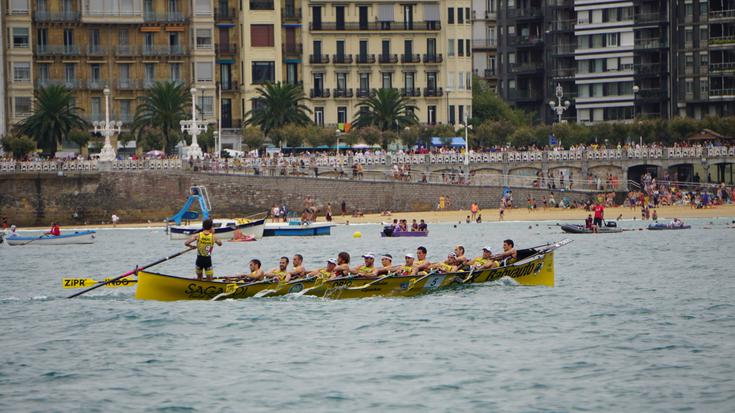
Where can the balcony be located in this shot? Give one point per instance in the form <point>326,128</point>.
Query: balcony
<point>230,86</point>
<point>651,43</point>
<point>261,5</point>
<point>388,58</point>
<point>563,25</point>
<point>126,51</point>
<point>650,94</point>
<point>319,59</point>
<point>433,58</point>
<point>226,48</point>
<point>722,15</point>
<point>343,59</point>
<point>649,68</point>
<point>410,58</point>
<point>651,18</point>
<point>722,67</point>
<point>318,93</point>
<point>521,95</point>
<point>721,40</point>
<point>721,92</point>
<point>525,41</point>
<point>56,16</point>
<point>128,84</point>
<point>364,93</point>
<point>490,73</point>
<point>376,26</point>
<point>292,49</point>
<point>564,49</point>
<point>57,50</point>
<point>411,92</point>
<point>164,17</point>
<point>567,72</point>
<point>96,50</point>
<point>433,92</point>
<point>525,13</point>
<point>342,93</point>
<point>484,44</point>
<point>225,14</point>
<point>97,84</point>
<point>527,68</point>
<point>67,83</point>
<point>291,13</point>
<point>163,50</point>
<point>365,59</point>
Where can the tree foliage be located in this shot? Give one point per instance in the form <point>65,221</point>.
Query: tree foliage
<point>277,105</point>
<point>53,117</point>
<point>252,137</point>
<point>386,110</point>
<point>161,109</point>
<point>18,145</point>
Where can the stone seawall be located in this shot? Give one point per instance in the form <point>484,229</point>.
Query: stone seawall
<point>151,196</point>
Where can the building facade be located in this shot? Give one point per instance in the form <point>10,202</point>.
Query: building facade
<point>485,41</point>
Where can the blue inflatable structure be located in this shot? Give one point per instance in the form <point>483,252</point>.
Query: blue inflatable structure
<point>196,194</point>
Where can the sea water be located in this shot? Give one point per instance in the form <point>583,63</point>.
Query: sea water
<point>638,321</point>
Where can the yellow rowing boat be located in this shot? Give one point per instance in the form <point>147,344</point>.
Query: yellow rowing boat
<point>536,269</point>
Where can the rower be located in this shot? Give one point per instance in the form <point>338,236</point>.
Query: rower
<point>343,265</point>
<point>509,254</point>
<point>459,255</point>
<point>484,261</point>
<point>367,269</point>
<point>280,273</point>
<point>298,267</point>
<point>256,273</point>
<point>54,231</point>
<point>421,263</point>
<point>326,272</point>
<point>387,265</point>
<point>204,241</point>
<point>448,266</point>
<point>408,268</point>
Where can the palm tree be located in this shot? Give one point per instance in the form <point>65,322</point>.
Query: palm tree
<point>163,107</point>
<point>279,104</point>
<point>386,110</point>
<point>54,116</point>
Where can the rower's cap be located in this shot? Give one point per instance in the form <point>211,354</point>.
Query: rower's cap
<point>387,257</point>
<point>452,255</point>
<point>409,256</point>
<point>487,249</point>
<point>369,255</point>
<point>332,261</point>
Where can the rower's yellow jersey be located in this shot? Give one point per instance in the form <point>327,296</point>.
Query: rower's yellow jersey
<point>324,274</point>
<point>280,274</point>
<point>444,267</point>
<point>365,270</point>
<point>205,244</point>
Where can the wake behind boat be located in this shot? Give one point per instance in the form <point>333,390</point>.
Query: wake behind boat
<point>77,237</point>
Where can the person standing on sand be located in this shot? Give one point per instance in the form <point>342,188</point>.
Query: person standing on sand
<point>115,220</point>
<point>344,208</point>
<point>328,214</point>
<point>474,209</point>
<point>501,210</point>
<point>442,203</point>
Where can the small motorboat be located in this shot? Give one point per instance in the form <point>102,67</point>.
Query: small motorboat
<point>226,229</point>
<point>390,232</point>
<point>297,229</point>
<point>581,229</point>
<point>664,227</point>
<point>77,237</point>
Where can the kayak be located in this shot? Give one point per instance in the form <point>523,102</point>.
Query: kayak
<point>581,229</point>
<point>78,237</point>
<point>392,233</point>
<point>226,229</point>
<point>537,268</point>
<point>663,227</point>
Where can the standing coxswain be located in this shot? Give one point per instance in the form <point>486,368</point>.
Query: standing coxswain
<point>204,243</point>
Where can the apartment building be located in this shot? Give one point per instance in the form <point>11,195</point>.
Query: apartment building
<point>352,48</point>
<point>704,34</point>
<point>485,40</point>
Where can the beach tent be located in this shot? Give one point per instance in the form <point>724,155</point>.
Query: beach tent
<point>456,142</point>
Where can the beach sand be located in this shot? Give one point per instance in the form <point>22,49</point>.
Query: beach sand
<point>488,215</point>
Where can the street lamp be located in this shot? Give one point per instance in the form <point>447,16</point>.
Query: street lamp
<point>466,148</point>
<point>636,89</point>
<point>193,128</point>
<point>107,128</point>
<point>559,108</point>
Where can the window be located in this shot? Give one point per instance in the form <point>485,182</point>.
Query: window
<point>68,37</point>
<point>468,81</point>
<point>204,71</point>
<point>467,15</point>
<point>18,6</point>
<point>176,72</point>
<point>431,80</point>
<point>365,82</point>
<point>264,72</point>
<point>95,70</point>
<point>461,114</point>
<point>206,105</point>
<point>387,80</point>
<point>452,120</point>
<point>431,111</point>
<point>261,35</point>
<point>341,114</point>
<point>450,15</point>
<point>460,16</point>
<point>319,115</point>
<point>122,37</point>
<point>450,47</point>
<point>20,37</point>
<point>408,81</point>
<point>125,110</point>
<point>96,107</point>
<point>149,72</point>
<point>204,38</point>
<point>42,38</point>
<point>22,105</point>
<point>613,39</point>
<point>460,80</point>
<point>341,81</point>
<point>467,46</point>
<point>261,5</point>
<point>125,72</point>
<point>42,71</point>
<point>460,47</point>
<point>70,72</point>
<point>450,80</point>
<point>202,8</point>
<point>22,72</point>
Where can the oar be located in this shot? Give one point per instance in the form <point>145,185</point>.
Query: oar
<point>469,276</point>
<point>416,280</point>
<point>88,282</point>
<point>264,293</point>
<point>34,239</point>
<point>129,273</point>
<point>318,283</point>
<point>362,287</point>
<point>229,289</point>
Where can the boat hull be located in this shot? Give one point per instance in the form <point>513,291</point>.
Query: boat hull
<point>535,270</point>
<point>285,230</point>
<point>395,234</point>
<point>226,231</point>
<point>666,227</point>
<point>80,237</point>
<point>579,229</point>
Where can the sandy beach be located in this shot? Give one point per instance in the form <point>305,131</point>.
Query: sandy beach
<point>488,215</point>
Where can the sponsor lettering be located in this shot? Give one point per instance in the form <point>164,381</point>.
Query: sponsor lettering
<point>198,292</point>
<point>296,288</point>
<point>517,272</point>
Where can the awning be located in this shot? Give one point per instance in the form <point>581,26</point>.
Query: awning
<point>385,12</point>
<point>174,28</point>
<point>291,25</point>
<point>150,29</point>
<point>225,25</point>
<point>226,61</point>
<point>431,13</point>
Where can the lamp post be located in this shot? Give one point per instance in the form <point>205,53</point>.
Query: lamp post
<point>107,128</point>
<point>193,128</point>
<point>559,107</point>
<point>636,89</point>
<point>466,159</point>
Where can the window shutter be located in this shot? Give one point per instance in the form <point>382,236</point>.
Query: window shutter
<point>385,13</point>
